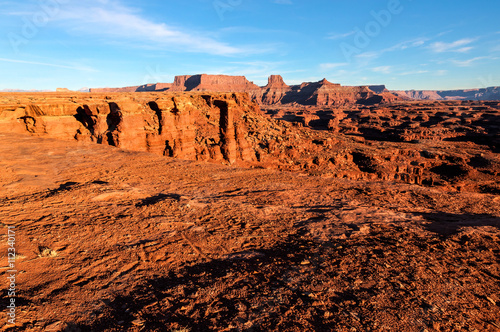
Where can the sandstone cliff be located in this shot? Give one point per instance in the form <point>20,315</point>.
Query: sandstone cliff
<point>276,92</point>
<point>491,93</point>
<point>139,88</point>
<point>427,143</point>
<point>322,93</point>
<point>194,126</point>
<point>212,83</point>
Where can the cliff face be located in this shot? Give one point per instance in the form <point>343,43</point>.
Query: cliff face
<point>417,142</point>
<point>273,93</point>
<point>322,93</point>
<point>276,92</point>
<point>491,93</point>
<point>212,83</point>
<point>188,126</point>
<point>139,88</point>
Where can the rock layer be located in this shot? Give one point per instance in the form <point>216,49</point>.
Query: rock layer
<point>449,144</point>
<point>488,94</point>
<point>194,126</point>
<point>276,92</point>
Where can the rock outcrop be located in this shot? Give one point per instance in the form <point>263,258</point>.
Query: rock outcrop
<point>445,143</point>
<point>491,93</point>
<point>276,92</point>
<point>212,83</point>
<point>139,88</point>
<point>322,93</point>
<point>273,93</point>
<point>189,126</point>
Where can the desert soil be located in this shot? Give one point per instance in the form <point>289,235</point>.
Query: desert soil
<point>112,240</point>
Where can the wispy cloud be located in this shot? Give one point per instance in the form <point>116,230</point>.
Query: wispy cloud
<point>444,33</point>
<point>330,66</point>
<point>416,42</point>
<point>414,72</point>
<point>283,2</point>
<point>407,44</point>
<point>367,56</point>
<point>382,69</point>
<point>114,20</point>
<point>335,36</point>
<point>470,62</point>
<point>459,46</point>
<point>79,68</point>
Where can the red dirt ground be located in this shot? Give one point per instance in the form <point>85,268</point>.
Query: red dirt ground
<point>111,240</point>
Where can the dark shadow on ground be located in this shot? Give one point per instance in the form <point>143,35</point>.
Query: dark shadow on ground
<point>448,224</point>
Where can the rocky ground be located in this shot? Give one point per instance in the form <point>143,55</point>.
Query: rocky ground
<point>110,239</point>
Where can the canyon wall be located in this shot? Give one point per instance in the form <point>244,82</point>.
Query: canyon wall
<point>428,143</point>
<point>486,94</point>
<point>276,92</point>
<point>188,126</point>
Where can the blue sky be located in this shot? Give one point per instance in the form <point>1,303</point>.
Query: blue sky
<point>404,44</point>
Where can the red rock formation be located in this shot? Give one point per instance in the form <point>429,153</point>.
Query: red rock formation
<point>194,126</point>
<point>276,92</point>
<point>110,90</point>
<point>420,95</point>
<point>140,88</point>
<point>325,93</point>
<point>212,83</point>
<point>491,93</point>
<point>276,81</point>
<point>322,93</point>
<point>431,143</point>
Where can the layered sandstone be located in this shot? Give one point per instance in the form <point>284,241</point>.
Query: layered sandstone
<point>139,88</point>
<point>491,93</point>
<point>276,92</point>
<point>212,83</point>
<point>194,126</point>
<point>322,93</point>
<point>432,144</point>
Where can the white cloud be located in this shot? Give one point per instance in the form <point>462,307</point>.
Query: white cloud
<point>335,36</point>
<point>414,72</point>
<point>444,33</point>
<point>329,66</point>
<point>406,45</point>
<point>470,62</point>
<point>412,43</point>
<point>111,19</point>
<point>76,67</point>
<point>382,69</point>
<point>459,46</point>
<point>369,55</point>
